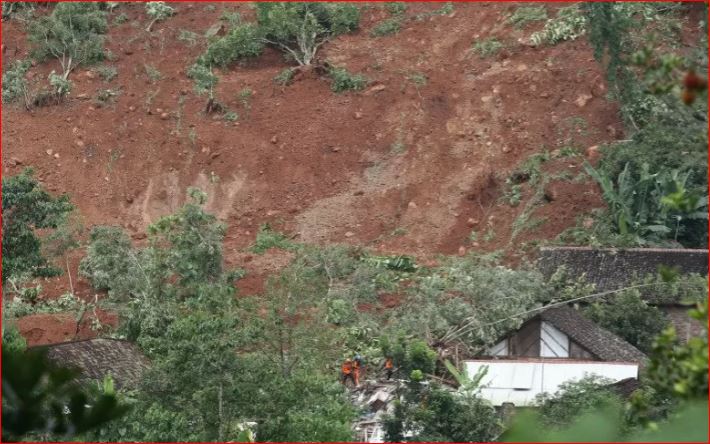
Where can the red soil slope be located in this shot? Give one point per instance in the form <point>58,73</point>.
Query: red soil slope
<point>428,161</point>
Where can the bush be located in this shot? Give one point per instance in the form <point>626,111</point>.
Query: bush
<point>573,399</point>
<point>157,11</point>
<point>12,340</point>
<point>110,262</point>
<point>14,85</point>
<point>205,80</point>
<point>630,317</point>
<point>396,8</point>
<point>299,29</point>
<point>387,27</point>
<point>284,77</point>
<point>267,238</point>
<point>343,80</point>
<point>527,14</point>
<point>569,24</point>
<point>242,42</point>
<point>107,73</point>
<point>72,33</point>
<point>487,47</point>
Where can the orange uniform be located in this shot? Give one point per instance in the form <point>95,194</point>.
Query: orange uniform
<point>347,372</point>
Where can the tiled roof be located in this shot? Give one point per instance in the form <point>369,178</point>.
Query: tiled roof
<point>611,269</point>
<point>95,358</point>
<point>602,343</point>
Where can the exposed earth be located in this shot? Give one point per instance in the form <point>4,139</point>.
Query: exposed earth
<point>406,166</point>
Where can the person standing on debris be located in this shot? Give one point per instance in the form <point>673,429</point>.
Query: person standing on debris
<point>389,367</point>
<point>347,372</point>
<point>358,368</point>
<point>356,372</point>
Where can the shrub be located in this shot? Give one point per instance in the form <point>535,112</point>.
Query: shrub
<point>487,47</point>
<point>396,8</point>
<point>62,87</point>
<point>152,72</point>
<point>203,77</point>
<point>268,238</point>
<point>72,34</point>
<point>242,42</point>
<point>387,27</point>
<point>630,317</point>
<point>569,24</point>
<point>284,77</point>
<point>573,399</point>
<point>343,80</point>
<point>188,37</point>
<point>299,29</point>
<point>14,85</point>
<point>157,11</point>
<point>232,18</point>
<point>107,73</point>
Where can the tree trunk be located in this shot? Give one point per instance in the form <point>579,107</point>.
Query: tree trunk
<point>220,430</point>
<point>71,284</point>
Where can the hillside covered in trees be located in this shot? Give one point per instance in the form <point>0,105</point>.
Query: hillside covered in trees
<point>252,193</point>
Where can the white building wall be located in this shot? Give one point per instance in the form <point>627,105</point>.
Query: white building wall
<point>519,381</point>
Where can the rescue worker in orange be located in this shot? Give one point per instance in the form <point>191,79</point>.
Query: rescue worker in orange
<point>347,372</point>
<point>356,372</point>
<point>389,367</point>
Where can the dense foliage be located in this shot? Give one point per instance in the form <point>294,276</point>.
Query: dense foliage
<point>427,411</point>
<point>72,34</point>
<point>630,317</point>
<point>655,183</point>
<point>26,208</point>
<point>41,400</point>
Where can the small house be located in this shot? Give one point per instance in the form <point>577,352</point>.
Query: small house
<point>97,358</point>
<point>553,347</point>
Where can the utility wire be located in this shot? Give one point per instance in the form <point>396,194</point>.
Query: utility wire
<point>462,330</point>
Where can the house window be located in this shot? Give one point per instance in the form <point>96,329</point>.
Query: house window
<point>500,349</point>
<point>553,343</point>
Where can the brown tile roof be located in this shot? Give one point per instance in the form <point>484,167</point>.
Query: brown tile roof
<point>95,358</point>
<point>602,343</point>
<point>611,268</point>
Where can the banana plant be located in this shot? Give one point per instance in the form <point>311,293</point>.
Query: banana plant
<point>468,386</point>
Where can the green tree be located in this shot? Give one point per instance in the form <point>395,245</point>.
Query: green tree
<point>432,413</point>
<point>630,317</point>
<point>26,208</point>
<point>72,34</point>
<point>300,29</point>
<point>573,399</point>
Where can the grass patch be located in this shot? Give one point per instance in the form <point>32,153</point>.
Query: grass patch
<point>268,238</point>
<point>152,72</point>
<point>285,77</point>
<point>188,37</point>
<point>106,72</point>
<point>343,80</point>
<point>396,8</point>
<point>487,47</point>
<point>419,79</point>
<point>527,14</point>
<point>387,27</point>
